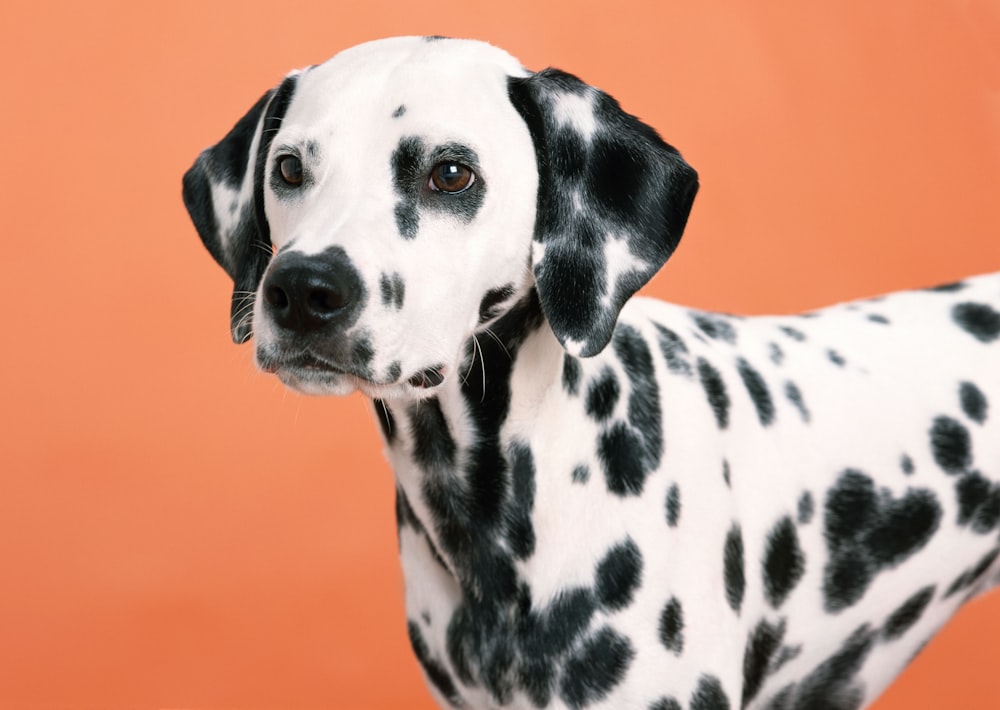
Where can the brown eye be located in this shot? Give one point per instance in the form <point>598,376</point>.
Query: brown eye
<point>451,177</point>
<point>290,168</point>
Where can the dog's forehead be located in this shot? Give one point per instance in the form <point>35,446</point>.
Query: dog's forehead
<point>402,73</point>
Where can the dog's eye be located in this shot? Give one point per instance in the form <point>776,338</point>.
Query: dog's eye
<point>451,177</point>
<point>290,168</point>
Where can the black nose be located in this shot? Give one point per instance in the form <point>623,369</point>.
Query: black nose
<point>305,293</point>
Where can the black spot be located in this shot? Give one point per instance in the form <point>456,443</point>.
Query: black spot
<point>868,531</point>
<point>393,290</point>
<point>762,647</point>
<point>973,401</point>
<point>784,563</point>
<point>806,508</point>
<point>581,474</point>
<point>400,110</point>
<point>675,352</point>
<point>433,446</point>
<point>906,463</point>
<point>623,469</point>
<point>759,393</point>
<point>666,703</point>
<point>733,568</point>
<point>385,420</point>
<point>969,577</point>
<point>978,502</point>
<point>951,445</point>
<point>436,673</point>
<point>630,450</point>
<point>715,327</point>
<point>793,333</point>
<point>836,358</point>
<point>709,695</point>
<point>673,505</point>
<point>362,353</point>
<point>726,473</point>
<point>776,354</point>
<point>395,369</point>
<point>571,374</point>
<point>831,685</point>
<point>602,395</point>
<point>407,166</point>
<point>489,305</point>
<point>672,626</point>
<point>618,575</point>
<point>878,318</point>
<point>794,396</point>
<point>909,612</point>
<point>596,668</point>
<point>977,319</point>
<point>521,533</point>
<point>715,389</point>
<point>948,288</point>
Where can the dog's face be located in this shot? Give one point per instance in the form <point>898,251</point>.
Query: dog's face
<point>378,210</point>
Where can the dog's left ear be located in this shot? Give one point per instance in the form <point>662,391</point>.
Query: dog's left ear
<point>224,195</point>
<point>613,200</point>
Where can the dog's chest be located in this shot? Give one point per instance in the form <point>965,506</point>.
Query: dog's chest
<point>670,505</point>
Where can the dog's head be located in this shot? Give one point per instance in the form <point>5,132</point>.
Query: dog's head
<point>376,211</point>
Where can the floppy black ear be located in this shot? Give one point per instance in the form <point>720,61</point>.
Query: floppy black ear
<point>223,192</point>
<point>613,200</point>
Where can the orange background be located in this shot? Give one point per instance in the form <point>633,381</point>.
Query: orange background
<point>178,530</point>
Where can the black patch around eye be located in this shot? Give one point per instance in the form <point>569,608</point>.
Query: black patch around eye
<point>763,643</point>
<point>596,668</point>
<point>794,396</point>
<point>733,568</point>
<point>673,505</point>
<point>715,389</point>
<point>619,574</point>
<point>978,320</point>
<point>407,169</point>
<point>908,614</point>
<point>709,695</point>
<point>784,562</point>
<point>973,402</point>
<point>672,626</point>
<point>951,445</point>
<point>571,374</point>
<point>464,204</point>
<point>602,395</point>
<point>759,393</point>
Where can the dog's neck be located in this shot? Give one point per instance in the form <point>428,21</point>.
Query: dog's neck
<point>457,481</point>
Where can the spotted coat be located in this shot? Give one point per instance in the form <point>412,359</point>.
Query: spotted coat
<point>602,501</point>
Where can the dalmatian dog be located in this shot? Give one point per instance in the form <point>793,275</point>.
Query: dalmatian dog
<point>602,501</point>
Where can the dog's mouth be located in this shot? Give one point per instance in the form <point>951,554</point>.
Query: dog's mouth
<point>312,374</point>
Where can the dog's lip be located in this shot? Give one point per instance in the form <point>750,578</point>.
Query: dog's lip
<point>306,363</point>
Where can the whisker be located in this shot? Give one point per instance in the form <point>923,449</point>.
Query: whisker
<point>499,342</point>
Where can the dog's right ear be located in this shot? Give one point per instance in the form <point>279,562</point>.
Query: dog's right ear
<point>224,191</point>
